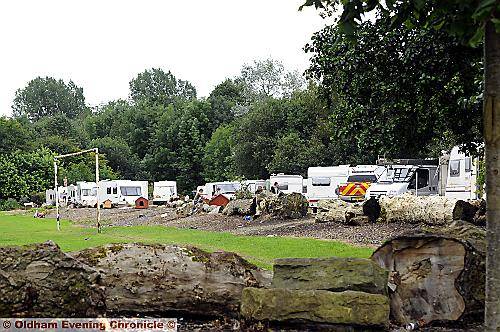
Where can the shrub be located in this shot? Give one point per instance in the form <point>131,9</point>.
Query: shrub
<point>9,204</point>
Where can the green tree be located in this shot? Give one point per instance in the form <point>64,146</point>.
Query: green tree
<point>119,155</point>
<point>159,87</point>
<point>48,96</point>
<point>218,163</point>
<point>227,100</point>
<point>469,21</point>
<point>14,135</point>
<point>396,91</point>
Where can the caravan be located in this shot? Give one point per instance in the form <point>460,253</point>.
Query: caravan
<point>322,182</point>
<point>461,175</point>
<point>288,183</point>
<point>164,192</point>
<point>122,191</point>
<point>86,194</point>
<point>226,188</point>
<point>253,185</point>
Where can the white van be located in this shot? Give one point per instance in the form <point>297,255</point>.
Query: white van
<point>288,183</point>
<point>322,182</point>
<point>86,194</point>
<point>122,191</point>
<point>461,177</point>
<point>164,191</point>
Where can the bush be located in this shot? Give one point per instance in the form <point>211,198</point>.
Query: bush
<point>9,204</point>
<point>38,198</point>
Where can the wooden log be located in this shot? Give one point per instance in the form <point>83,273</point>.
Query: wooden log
<point>471,211</point>
<point>341,212</point>
<point>436,275</point>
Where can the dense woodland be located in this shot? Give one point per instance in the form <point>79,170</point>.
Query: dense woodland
<point>396,92</point>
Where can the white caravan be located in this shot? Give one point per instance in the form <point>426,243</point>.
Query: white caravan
<point>288,183</point>
<point>86,194</point>
<point>461,175</point>
<point>226,188</point>
<point>122,191</point>
<point>50,196</point>
<point>419,177</point>
<point>322,182</point>
<point>164,191</point>
<point>253,185</point>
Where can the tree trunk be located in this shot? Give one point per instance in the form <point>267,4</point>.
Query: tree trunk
<point>436,276</point>
<point>492,147</point>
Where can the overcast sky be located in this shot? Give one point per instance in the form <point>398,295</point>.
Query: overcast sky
<point>102,44</point>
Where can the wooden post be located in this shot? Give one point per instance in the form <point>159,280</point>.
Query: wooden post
<point>97,194</point>
<point>56,193</point>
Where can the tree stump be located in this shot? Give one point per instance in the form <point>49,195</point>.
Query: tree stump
<point>436,275</point>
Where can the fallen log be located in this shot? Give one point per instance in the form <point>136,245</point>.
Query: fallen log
<point>436,275</point>
<point>340,212</point>
<point>283,206</point>
<point>430,210</point>
<point>142,279</point>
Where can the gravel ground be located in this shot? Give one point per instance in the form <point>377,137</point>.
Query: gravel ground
<point>368,235</point>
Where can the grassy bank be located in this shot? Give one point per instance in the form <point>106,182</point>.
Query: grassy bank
<point>23,229</point>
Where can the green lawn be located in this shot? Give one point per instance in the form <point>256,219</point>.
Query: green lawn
<point>23,229</point>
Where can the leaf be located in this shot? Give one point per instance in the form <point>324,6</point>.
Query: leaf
<point>477,37</point>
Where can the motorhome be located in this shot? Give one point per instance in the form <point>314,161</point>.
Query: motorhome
<point>461,175</point>
<point>287,183</point>
<point>86,194</point>
<point>322,182</point>
<point>164,191</point>
<point>226,188</point>
<point>416,176</point>
<point>50,196</point>
<point>122,191</point>
<point>361,177</point>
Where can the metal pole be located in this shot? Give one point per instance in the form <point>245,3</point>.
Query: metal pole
<point>97,194</point>
<point>57,196</point>
<point>416,182</point>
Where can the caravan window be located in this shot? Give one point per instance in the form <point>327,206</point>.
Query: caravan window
<point>283,186</point>
<point>115,190</point>
<point>108,190</point>
<point>130,191</point>
<point>455,168</point>
<point>321,181</point>
<point>468,164</point>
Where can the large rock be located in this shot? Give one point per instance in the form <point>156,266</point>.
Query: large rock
<point>333,274</point>
<point>284,206</point>
<point>159,279</point>
<point>240,207</point>
<point>39,280</point>
<point>315,306</point>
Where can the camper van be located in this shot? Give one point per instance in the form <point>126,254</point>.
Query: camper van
<point>226,188</point>
<point>322,182</point>
<point>122,191</point>
<point>416,176</point>
<point>86,194</point>
<point>461,175</point>
<point>164,191</point>
<point>288,183</point>
<point>50,196</point>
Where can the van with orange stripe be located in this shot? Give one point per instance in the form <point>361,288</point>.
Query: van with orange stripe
<point>359,180</point>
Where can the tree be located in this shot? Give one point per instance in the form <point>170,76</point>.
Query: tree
<point>14,135</point>
<point>159,87</point>
<point>396,91</point>
<point>218,163</point>
<point>269,78</point>
<point>48,96</point>
<point>469,21</point>
<point>119,156</point>
<point>227,99</point>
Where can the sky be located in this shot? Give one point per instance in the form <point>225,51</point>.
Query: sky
<point>102,44</point>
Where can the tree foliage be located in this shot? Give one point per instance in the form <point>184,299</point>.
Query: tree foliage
<point>48,97</point>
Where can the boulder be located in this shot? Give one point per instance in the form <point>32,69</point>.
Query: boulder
<point>334,274</point>
<point>39,280</point>
<point>315,306</point>
<point>240,207</point>
<point>283,206</point>
<point>184,210</point>
<point>163,279</point>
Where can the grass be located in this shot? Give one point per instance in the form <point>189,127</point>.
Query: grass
<point>18,229</point>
